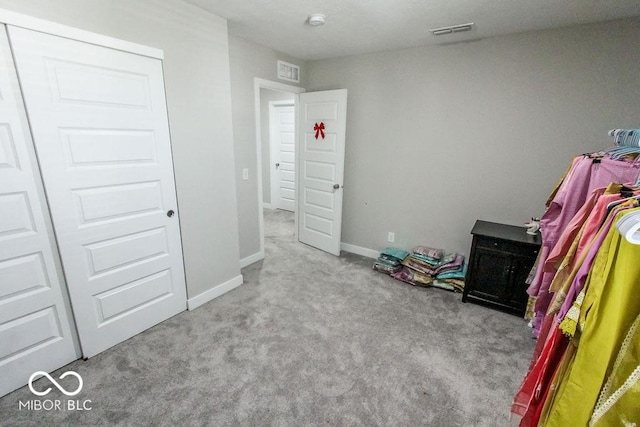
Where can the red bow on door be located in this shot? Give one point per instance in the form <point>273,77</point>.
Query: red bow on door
<point>319,130</point>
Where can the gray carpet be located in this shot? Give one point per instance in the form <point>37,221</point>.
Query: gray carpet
<point>309,339</point>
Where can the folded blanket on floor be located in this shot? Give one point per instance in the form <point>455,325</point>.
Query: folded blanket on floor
<point>416,264</point>
<point>387,260</point>
<point>412,277</point>
<point>448,258</point>
<point>386,269</point>
<point>450,284</point>
<point>400,254</point>
<point>431,261</point>
<point>456,264</point>
<point>453,274</point>
<point>429,252</point>
<point>442,285</point>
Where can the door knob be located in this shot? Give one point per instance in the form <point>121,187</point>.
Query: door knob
<point>336,186</point>
<point>170,213</point>
<point>277,165</point>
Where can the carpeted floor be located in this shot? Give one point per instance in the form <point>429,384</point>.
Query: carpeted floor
<point>309,339</point>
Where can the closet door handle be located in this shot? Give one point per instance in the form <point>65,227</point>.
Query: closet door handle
<point>277,165</point>
<point>170,213</point>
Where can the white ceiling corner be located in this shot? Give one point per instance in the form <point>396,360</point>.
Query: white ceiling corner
<point>362,26</point>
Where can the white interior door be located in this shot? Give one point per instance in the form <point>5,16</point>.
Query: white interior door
<point>322,125</point>
<point>283,156</point>
<point>35,329</point>
<point>99,124</point>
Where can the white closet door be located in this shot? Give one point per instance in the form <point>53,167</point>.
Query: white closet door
<point>35,332</point>
<point>99,124</point>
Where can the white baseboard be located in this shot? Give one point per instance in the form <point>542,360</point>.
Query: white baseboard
<point>215,292</point>
<point>268,206</point>
<point>359,250</point>
<point>251,259</point>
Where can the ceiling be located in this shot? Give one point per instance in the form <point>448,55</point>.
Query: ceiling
<point>361,26</point>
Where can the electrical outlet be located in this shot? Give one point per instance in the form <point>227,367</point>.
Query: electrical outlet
<point>391,237</point>
<point>245,174</point>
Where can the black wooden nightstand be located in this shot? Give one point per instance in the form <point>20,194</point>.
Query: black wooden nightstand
<point>500,260</point>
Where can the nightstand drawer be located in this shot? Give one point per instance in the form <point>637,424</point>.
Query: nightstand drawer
<point>507,246</point>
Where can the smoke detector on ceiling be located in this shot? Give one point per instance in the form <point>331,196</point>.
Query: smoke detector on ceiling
<point>316,19</point>
<point>451,29</point>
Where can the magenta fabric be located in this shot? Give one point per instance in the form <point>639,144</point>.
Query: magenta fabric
<point>570,197</point>
<point>611,170</point>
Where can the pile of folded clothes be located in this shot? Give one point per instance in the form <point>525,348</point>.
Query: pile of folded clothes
<point>424,266</point>
<point>390,260</point>
<point>451,275</point>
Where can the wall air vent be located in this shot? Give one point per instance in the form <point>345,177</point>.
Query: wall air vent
<point>452,29</point>
<point>288,72</point>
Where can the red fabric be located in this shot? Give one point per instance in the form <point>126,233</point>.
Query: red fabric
<point>535,387</point>
<point>545,332</point>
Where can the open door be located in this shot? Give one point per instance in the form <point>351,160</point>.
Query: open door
<point>322,125</point>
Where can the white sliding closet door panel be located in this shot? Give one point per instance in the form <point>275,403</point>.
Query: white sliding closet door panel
<point>99,124</point>
<point>35,331</point>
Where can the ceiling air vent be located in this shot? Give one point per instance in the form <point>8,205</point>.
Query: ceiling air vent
<point>452,29</point>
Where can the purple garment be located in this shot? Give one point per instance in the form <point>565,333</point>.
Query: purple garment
<point>581,276</point>
<point>570,197</point>
<point>611,170</point>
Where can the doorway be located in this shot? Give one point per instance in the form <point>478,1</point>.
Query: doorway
<point>319,128</point>
<point>279,154</point>
<point>267,92</point>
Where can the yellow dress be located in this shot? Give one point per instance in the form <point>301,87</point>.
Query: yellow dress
<point>619,401</point>
<point>612,302</point>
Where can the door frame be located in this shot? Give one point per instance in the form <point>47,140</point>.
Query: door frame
<point>273,175</point>
<point>258,84</point>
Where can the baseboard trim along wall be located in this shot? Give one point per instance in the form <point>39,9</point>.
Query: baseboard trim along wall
<point>221,289</point>
<point>251,259</point>
<point>359,250</point>
<point>268,206</point>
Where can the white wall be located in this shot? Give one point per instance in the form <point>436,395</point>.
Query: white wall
<point>267,96</point>
<point>197,81</point>
<point>249,60</point>
<point>440,136</point>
